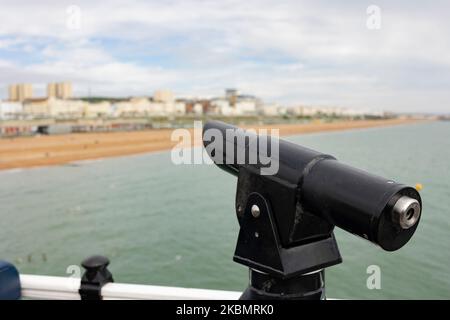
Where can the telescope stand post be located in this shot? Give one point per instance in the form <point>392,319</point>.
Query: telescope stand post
<point>262,286</point>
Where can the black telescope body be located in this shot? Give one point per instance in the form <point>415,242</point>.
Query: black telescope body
<point>323,191</point>
<point>288,201</point>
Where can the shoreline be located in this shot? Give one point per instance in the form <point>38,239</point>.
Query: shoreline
<point>37,151</point>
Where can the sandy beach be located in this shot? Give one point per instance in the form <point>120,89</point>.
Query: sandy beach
<point>25,152</point>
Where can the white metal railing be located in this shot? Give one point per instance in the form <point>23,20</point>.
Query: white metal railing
<point>62,288</point>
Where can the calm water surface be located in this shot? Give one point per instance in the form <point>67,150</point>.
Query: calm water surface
<point>175,225</point>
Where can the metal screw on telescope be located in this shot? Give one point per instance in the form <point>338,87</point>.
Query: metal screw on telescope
<point>255,211</point>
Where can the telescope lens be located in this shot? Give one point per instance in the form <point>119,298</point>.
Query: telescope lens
<point>406,212</point>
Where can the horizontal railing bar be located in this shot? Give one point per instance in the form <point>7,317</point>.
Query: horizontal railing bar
<point>65,288</point>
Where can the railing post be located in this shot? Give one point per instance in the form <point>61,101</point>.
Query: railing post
<point>95,277</point>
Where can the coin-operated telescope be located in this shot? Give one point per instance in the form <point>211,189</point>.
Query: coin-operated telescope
<point>287,215</point>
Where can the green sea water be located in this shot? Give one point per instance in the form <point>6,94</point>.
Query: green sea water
<point>164,224</point>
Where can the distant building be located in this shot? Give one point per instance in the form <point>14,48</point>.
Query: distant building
<point>231,95</point>
<point>53,107</point>
<point>303,111</point>
<point>20,92</point>
<point>234,105</point>
<point>314,111</point>
<point>10,110</point>
<point>197,108</point>
<point>132,107</point>
<point>37,107</point>
<point>156,109</point>
<point>144,107</point>
<point>163,96</point>
<point>270,110</point>
<point>12,93</point>
<point>59,104</point>
<point>51,90</point>
<point>245,107</point>
<point>98,109</point>
<point>61,90</point>
<point>221,106</point>
<point>175,108</point>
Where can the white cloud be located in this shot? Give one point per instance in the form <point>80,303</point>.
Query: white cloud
<point>292,51</point>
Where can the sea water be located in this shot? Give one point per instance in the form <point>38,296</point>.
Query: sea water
<point>175,225</point>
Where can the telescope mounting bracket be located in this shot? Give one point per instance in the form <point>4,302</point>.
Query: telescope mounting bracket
<point>259,244</point>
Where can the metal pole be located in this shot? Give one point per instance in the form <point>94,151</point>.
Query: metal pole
<point>62,288</point>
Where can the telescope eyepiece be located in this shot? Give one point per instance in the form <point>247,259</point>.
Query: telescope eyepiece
<point>406,212</point>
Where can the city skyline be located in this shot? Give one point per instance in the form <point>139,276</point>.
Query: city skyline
<point>291,53</point>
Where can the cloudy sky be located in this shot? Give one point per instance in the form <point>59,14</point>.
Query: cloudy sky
<point>290,52</point>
